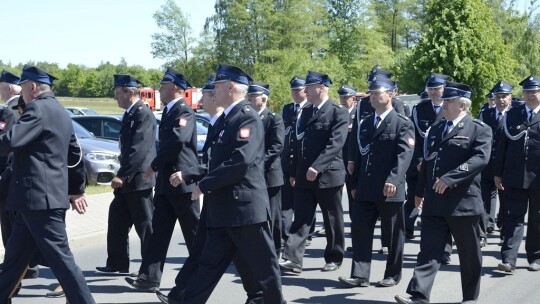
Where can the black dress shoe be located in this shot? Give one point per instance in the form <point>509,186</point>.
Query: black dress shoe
<point>483,242</point>
<point>411,300</point>
<point>490,229</point>
<point>320,232</point>
<point>330,267</point>
<point>505,267</point>
<point>57,292</point>
<point>409,235</point>
<point>165,299</point>
<point>31,274</point>
<point>308,242</point>
<point>349,249</point>
<point>533,267</point>
<point>354,282</point>
<point>383,250</point>
<point>387,282</point>
<point>144,285</point>
<point>110,270</point>
<point>291,266</point>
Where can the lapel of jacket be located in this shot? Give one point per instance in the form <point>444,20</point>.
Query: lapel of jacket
<point>321,111</point>
<point>127,116</point>
<point>384,123</point>
<point>457,128</point>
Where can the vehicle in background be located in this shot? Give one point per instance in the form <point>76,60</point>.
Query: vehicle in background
<point>81,111</point>
<point>108,127</point>
<point>100,156</point>
<point>150,97</point>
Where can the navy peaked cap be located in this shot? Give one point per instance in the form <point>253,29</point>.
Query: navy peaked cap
<point>227,72</point>
<point>436,80</point>
<point>36,74</point>
<point>531,83</point>
<point>347,90</point>
<point>377,70</point>
<point>125,81</point>
<point>258,87</point>
<point>502,87</point>
<point>456,89</point>
<point>490,95</point>
<point>171,75</point>
<point>9,77</point>
<point>381,83</point>
<point>209,85</point>
<point>297,82</point>
<point>318,78</point>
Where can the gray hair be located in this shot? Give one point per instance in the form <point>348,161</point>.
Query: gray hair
<point>240,88</point>
<point>466,101</point>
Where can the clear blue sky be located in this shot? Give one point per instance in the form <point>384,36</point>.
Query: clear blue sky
<point>88,32</point>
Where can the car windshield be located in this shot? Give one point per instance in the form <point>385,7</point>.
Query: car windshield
<point>90,112</point>
<point>80,131</point>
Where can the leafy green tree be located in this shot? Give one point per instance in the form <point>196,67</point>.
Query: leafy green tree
<point>462,40</point>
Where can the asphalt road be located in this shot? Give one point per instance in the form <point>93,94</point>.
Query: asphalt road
<point>312,286</point>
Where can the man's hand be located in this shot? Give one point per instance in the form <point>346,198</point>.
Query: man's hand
<point>196,193</point>
<point>419,166</point>
<point>389,189</point>
<point>498,182</point>
<point>311,174</point>
<point>78,203</point>
<point>149,172</point>
<point>176,179</point>
<point>439,186</point>
<point>292,181</point>
<point>418,202</point>
<point>350,167</point>
<point>117,182</point>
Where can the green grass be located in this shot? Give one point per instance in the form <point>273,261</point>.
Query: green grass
<point>100,105</point>
<point>97,189</point>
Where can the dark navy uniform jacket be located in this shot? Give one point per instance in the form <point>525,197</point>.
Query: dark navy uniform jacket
<point>137,147</point>
<point>321,146</point>
<point>423,116</point>
<point>177,148</point>
<point>363,110</point>
<point>289,143</point>
<point>518,161</point>
<point>234,187</point>
<point>8,117</point>
<point>387,155</point>
<point>489,117</point>
<point>458,159</point>
<point>273,146</point>
<point>39,141</point>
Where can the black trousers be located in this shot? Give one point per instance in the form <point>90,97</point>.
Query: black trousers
<point>489,197</point>
<point>126,210</point>
<point>254,245</point>
<point>306,201</point>
<point>350,198</point>
<point>364,217</point>
<point>518,201</point>
<point>7,217</point>
<point>274,196</point>
<point>44,230</point>
<point>167,210</point>
<point>287,208</point>
<point>189,269</point>
<point>503,211</point>
<point>435,230</point>
<point>409,204</point>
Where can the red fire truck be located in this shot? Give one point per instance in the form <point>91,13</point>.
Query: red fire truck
<point>150,96</point>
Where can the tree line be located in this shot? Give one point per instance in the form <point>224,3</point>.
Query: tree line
<point>477,42</point>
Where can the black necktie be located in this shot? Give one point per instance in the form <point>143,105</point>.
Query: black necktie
<point>315,110</point>
<point>531,115</point>
<point>377,121</point>
<point>296,108</point>
<point>449,125</point>
<point>436,108</point>
<point>499,115</point>
<point>164,112</point>
<point>125,118</point>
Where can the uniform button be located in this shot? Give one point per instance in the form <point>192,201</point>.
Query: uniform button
<point>369,174</point>
<point>437,168</point>
<point>440,149</point>
<point>236,197</point>
<point>209,192</point>
<point>369,164</point>
<point>526,158</point>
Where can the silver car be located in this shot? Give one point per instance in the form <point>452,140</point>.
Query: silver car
<point>100,156</point>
